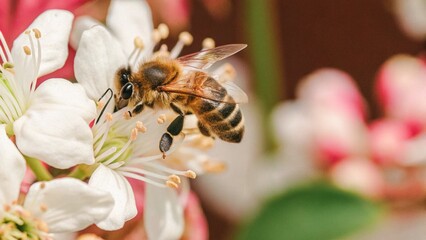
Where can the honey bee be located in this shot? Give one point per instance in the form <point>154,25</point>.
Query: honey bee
<point>182,85</point>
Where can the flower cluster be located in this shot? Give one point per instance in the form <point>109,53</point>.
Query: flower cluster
<point>383,158</point>
<point>76,129</point>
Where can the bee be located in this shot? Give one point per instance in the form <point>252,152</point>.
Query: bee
<point>182,85</point>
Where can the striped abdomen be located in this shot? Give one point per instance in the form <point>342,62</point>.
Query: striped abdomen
<point>222,119</point>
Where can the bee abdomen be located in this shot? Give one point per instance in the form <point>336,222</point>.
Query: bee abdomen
<point>223,119</point>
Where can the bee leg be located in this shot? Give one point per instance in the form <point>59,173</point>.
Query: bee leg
<point>176,109</point>
<point>174,129</point>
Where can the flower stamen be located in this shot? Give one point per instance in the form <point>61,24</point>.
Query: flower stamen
<point>185,39</point>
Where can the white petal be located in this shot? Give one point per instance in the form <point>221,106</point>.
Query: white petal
<point>98,58</point>
<point>128,19</point>
<point>81,24</point>
<point>71,204</point>
<point>56,124</point>
<point>12,168</point>
<point>163,213</point>
<point>125,206</point>
<point>63,95</point>
<point>55,27</point>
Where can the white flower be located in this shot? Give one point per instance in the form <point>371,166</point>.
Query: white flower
<point>99,56</point>
<point>58,206</point>
<point>123,148</point>
<point>47,120</point>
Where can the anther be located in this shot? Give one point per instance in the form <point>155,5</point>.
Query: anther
<point>37,33</point>
<point>100,105</point>
<point>7,65</point>
<point>140,127</point>
<point>230,70</point>
<point>108,117</point>
<point>27,50</point>
<point>6,207</point>
<point>214,167</point>
<point>43,207</point>
<point>134,134</point>
<point>190,174</point>
<point>27,32</point>
<point>186,38</point>
<point>161,119</point>
<point>138,42</point>
<point>42,185</point>
<point>15,202</point>
<point>127,115</point>
<point>171,184</point>
<point>164,30</point>
<point>41,225</point>
<point>175,179</point>
<point>208,43</point>
<point>156,35</point>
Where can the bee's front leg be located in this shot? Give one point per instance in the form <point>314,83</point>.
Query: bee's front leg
<point>174,129</point>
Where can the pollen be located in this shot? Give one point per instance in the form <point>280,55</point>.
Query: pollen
<point>156,35</point>
<point>190,174</point>
<point>37,33</point>
<point>186,38</point>
<point>108,117</point>
<point>208,43</point>
<point>161,119</point>
<point>134,134</point>
<point>140,127</point>
<point>138,42</point>
<point>175,178</point>
<point>27,50</point>
<point>164,30</point>
<point>171,184</point>
<point>43,207</point>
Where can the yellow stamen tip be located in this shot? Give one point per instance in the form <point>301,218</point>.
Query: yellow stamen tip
<point>156,35</point>
<point>134,134</point>
<point>230,70</point>
<point>208,43</point>
<point>41,225</point>
<point>42,185</point>
<point>175,179</point>
<point>6,207</point>
<point>164,30</point>
<point>214,167</point>
<point>43,207</point>
<point>138,42</point>
<point>7,65</point>
<point>27,32</point>
<point>186,38</point>
<point>190,174</point>
<point>140,127</point>
<point>37,33</point>
<point>171,184</point>
<point>127,115</point>
<point>100,105</point>
<point>27,50</point>
<point>108,117</point>
<point>161,119</point>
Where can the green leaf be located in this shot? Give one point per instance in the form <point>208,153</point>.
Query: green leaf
<point>316,211</point>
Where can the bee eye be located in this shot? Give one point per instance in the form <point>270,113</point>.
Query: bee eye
<point>127,91</point>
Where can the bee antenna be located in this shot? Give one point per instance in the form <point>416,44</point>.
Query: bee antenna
<point>109,90</point>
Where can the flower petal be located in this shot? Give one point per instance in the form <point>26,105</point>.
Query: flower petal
<point>71,204</point>
<point>137,19</point>
<point>163,215</point>
<point>56,124</point>
<point>55,27</point>
<point>98,57</point>
<point>124,207</point>
<point>12,168</point>
<point>81,24</point>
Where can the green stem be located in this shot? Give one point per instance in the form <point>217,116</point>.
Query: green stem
<point>82,171</point>
<point>267,66</point>
<point>40,171</point>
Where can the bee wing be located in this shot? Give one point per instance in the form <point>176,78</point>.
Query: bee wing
<point>205,58</point>
<point>193,84</point>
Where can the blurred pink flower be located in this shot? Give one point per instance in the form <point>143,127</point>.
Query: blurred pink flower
<point>401,87</point>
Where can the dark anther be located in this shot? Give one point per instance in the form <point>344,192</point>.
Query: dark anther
<point>166,142</point>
